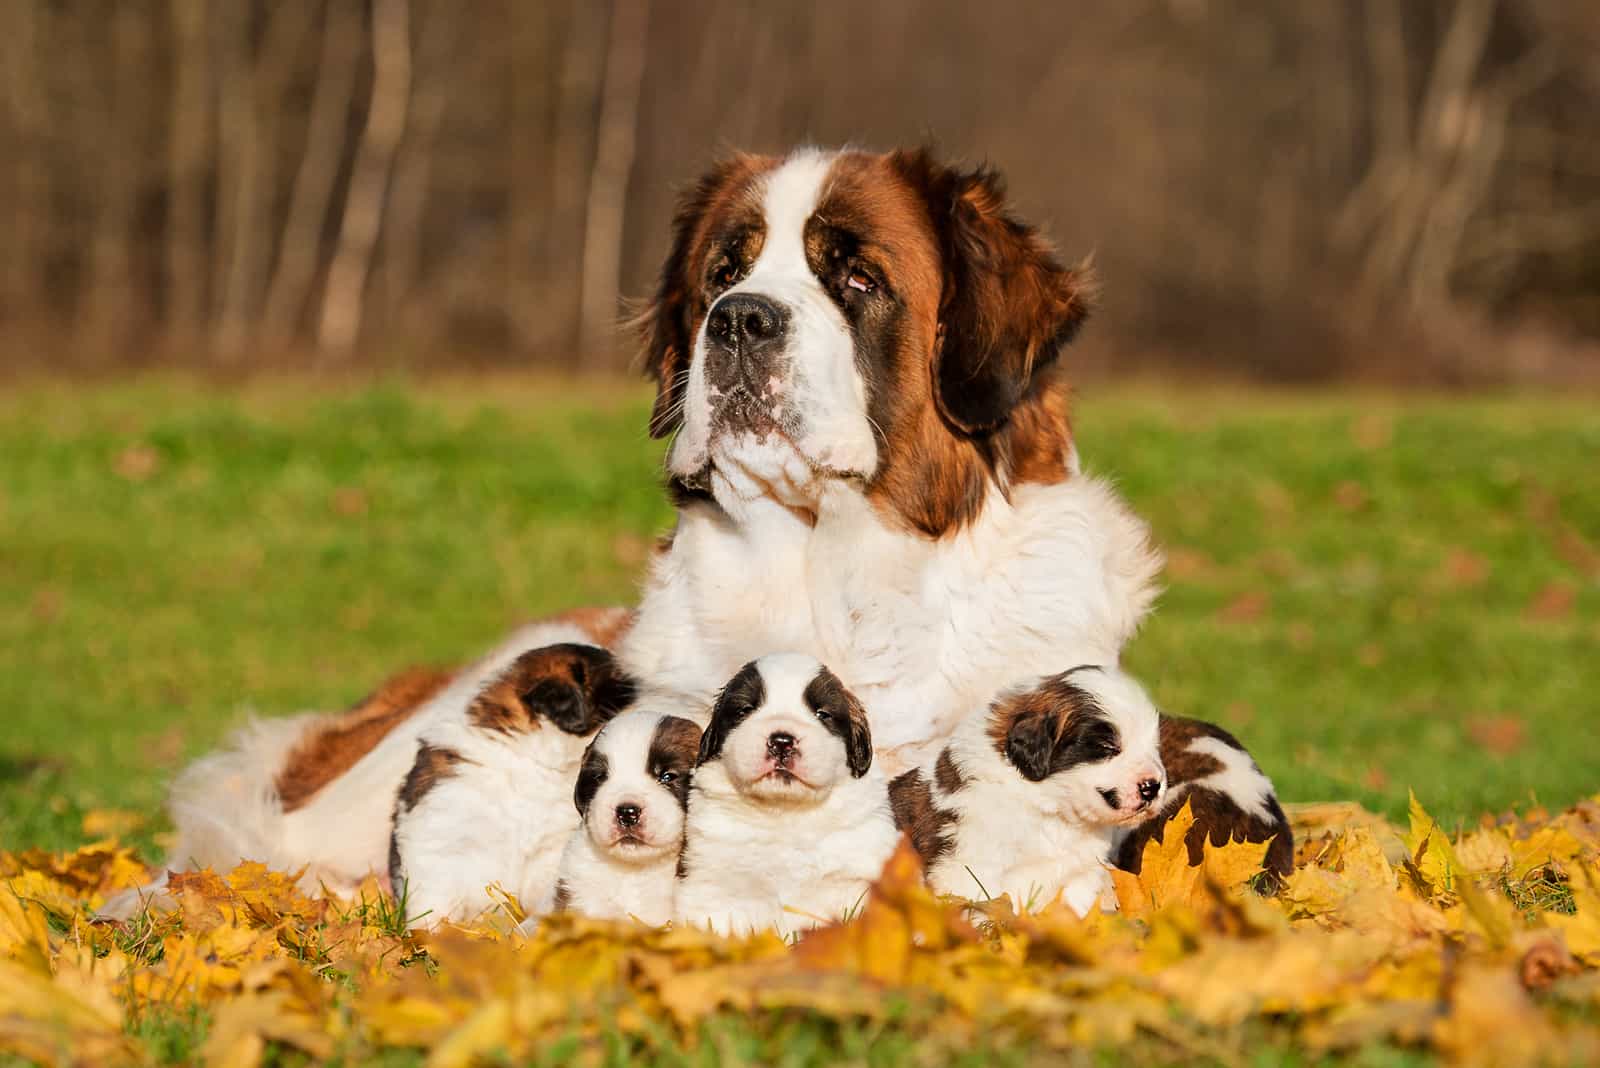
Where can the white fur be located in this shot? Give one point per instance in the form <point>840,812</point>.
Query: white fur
<point>1044,841</point>
<point>788,858</point>
<point>921,630</point>
<point>606,878</point>
<point>1240,780</point>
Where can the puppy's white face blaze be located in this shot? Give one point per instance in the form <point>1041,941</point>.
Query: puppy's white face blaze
<point>1090,739</point>
<point>775,402</point>
<point>787,732</point>
<point>633,783</point>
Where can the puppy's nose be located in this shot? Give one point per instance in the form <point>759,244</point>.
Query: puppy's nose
<point>627,815</point>
<point>780,746</point>
<point>745,320</point>
<point>1149,790</point>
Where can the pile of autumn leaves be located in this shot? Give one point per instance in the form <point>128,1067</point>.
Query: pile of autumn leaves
<point>1484,948</point>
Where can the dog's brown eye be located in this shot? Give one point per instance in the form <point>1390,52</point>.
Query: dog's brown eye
<point>725,275</point>
<point>860,281</point>
<point>667,778</point>
<point>824,716</point>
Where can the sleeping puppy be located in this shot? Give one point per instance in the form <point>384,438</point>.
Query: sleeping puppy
<point>488,799</point>
<point>1029,796</point>
<point>632,796</point>
<point>1228,794</point>
<point>789,822</point>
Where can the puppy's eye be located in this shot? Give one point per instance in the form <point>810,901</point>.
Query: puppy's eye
<point>667,778</point>
<point>725,274</point>
<point>860,281</point>
<point>824,716</point>
<point>1108,749</point>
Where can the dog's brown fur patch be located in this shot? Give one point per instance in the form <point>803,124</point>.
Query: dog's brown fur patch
<point>1054,698</point>
<point>333,746</point>
<point>911,798</point>
<point>947,773</point>
<point>583,678</point>
<point>1217,817</point>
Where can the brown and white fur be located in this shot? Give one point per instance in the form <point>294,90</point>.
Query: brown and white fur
<point>1030,796</point>
<point>859,357</point>
<point>632,798</point>
<point>789,819</point>
<point>1229,795</point>
<point>487,801</point>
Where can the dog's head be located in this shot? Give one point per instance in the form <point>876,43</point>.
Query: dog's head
<point>786,730</point>
<point>574,688</point>
<point>633,786</point>
<point>875,318</point>
<point>1089,742</point>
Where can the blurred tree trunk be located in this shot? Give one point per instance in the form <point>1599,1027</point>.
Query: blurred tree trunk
<point>529,171</point>
<point>28,202</point>
<point>571,154</point>
<point>113,302</point>
<point>345,293</point>
<point>608,181</point>
<point>300,247</point>
<point>255,85</point>
<point>430,95</point>
<point>188,150</point>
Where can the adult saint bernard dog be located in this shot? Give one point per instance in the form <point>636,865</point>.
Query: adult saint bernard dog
<point>858,360</point>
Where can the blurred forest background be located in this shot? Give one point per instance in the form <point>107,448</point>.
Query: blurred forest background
<point>1394,189</point>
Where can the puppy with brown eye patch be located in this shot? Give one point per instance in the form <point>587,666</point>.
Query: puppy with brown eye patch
<point>488,801</point>
<point>1031,795</point>
<point>789,821</point>
<point>632,797</point>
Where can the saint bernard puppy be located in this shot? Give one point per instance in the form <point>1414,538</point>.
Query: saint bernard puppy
<point>632,796</point>
<point>1031,795</point>
<point>789,820</point>
<point>1230,797</point>
<point>857,356</point>
<point>487,802</point>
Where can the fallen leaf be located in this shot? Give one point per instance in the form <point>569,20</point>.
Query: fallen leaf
<point>1554,601</point>
<point>1499,735</point>
<point>1245,608</point>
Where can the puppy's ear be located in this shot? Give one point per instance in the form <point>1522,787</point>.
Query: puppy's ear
<point>576,687</point>
<point>591,776</point>
<point>666,323</point>
<point>858,748</point>
<point>1030,744</point>
<point>741,696</point>
<point>848,718</point>
<point>1007,306</point>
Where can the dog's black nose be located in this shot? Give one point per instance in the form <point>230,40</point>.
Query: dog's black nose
<point>1149,790</point>
<point>627,815</point>
<point>780,745</point>
<point>746,320</point>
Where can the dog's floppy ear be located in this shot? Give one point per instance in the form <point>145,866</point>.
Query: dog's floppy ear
<point>741,696</point>
<point>576,687</point>
<point>847,718</point>
<point>666,323</point>
<point>1007,305</point>
<point>591,775</point>
<point>1031,743</point>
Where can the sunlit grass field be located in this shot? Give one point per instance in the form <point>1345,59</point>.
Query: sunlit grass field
<point>1376,593</point>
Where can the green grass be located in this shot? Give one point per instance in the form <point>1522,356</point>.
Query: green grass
<point>1351,589</point>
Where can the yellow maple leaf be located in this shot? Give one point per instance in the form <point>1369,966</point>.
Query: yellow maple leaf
<point>1166,878</point>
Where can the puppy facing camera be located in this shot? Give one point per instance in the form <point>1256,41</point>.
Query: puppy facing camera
<point>789,820</point>
<point>632,799</point>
